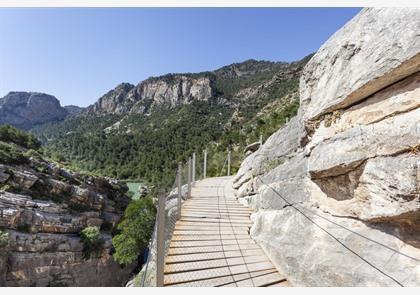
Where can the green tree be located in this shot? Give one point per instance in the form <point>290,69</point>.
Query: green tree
<point>92,241</point>
<point>135,230</point>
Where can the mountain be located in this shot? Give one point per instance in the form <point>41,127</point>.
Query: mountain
<point>73,110</point>
<point>141,132</point>
<point>26,110</point>
<point>234,85</point>
<point>56,224</point>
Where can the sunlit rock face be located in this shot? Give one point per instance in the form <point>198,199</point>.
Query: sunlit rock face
<point>165,91</point>
<point>338,201</point>
<point>28,109</point>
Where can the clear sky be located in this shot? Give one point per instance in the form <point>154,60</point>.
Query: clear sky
<point>78,54</point>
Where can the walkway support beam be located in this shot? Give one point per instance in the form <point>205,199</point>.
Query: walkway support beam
<point>228,167</point>
<point>179,178</point>
<point>160,242</point>
<point>189,178</point>
<point>193,169</point>
<point>205,165</point>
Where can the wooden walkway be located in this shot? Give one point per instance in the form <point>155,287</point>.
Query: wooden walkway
<point>211,245</point>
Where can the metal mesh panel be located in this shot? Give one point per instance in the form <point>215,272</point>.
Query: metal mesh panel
<point>147,275</point>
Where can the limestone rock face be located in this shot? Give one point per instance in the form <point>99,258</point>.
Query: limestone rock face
<point>337,195</point>
<point>375,49</point>
<point>28,109</point>
<point>43,209</point>
<point>168,91</point>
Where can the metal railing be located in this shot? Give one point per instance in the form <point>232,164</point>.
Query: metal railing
<point>169,212</point>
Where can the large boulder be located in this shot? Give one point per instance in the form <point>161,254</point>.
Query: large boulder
<point>375,49</point>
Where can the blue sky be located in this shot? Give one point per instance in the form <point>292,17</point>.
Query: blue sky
<point>78,54</point>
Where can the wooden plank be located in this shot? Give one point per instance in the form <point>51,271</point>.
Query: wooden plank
<point>196,275</point>
<point>189,237</point>
<point>215,230</point>
<point>188,257</point>
<point>175,244</point>
<point>213,263</point>
<point>207,283</point>
<point>281,284</point>
<point>216,220</point>
<point>211,245</point>
<point>211,249</point>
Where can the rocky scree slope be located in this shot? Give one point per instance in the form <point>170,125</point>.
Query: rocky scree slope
<point>43,210</point>
<point>337,189</point>
<point>26,110</point>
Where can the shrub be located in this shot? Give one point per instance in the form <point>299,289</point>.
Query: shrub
<point>136,230</point>
<point>10,155</point>
<point>92,241</point>
<point>4,238</point>
<point>11,134</point>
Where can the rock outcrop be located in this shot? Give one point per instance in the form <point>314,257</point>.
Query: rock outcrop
<point>337,190</point>
<point>43,209</point>
<point>168,91</point>
<point>28,109</point>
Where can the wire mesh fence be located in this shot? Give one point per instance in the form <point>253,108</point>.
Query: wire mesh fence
<point>195,169</point>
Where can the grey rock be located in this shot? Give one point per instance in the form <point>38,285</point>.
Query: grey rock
<point>347,150</point>
<point>28,109</point>
<point>309,256</point>
<point>376,48</point>
<point>340,204</point>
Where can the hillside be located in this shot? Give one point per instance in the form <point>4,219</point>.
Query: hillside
<point>141,132</point>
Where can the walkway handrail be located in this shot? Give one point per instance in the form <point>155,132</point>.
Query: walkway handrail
<point>168,212</point>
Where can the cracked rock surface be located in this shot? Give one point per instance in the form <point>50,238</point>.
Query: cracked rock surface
<point>337,190</point>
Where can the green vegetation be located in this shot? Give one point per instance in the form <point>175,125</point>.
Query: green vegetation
<point>135,229</point>
<point>12,135</point>
<point>12,142</point>
<point>148,148</point>
<point>92,241</point>
<point>4,238</point>
<point>10,154</point>
<point>151,151</point>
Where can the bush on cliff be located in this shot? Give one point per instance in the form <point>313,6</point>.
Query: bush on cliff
<point>92,241</point>
<point>135,229</point>
<point>9,154</point>
<point>24,139</point>
<point>4,238</point>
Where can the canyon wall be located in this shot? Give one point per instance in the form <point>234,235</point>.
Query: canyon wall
<point>43,210</point>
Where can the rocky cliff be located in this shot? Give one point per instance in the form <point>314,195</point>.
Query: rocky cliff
<point>43,210</point>
<point>337,189</point>
<point>169,90</point>
<point>28,109</point>
<point>232,85</point>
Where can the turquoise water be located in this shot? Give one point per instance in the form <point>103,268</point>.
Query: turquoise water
<point>134,187</point>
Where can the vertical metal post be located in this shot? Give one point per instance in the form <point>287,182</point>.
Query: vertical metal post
<point>229,162</point>
<point>193,169</point>
<point>261,140</point>
<point>205,164</point>
<point>179,189</point>
<point>189,178</point>
<point>160,242</point>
